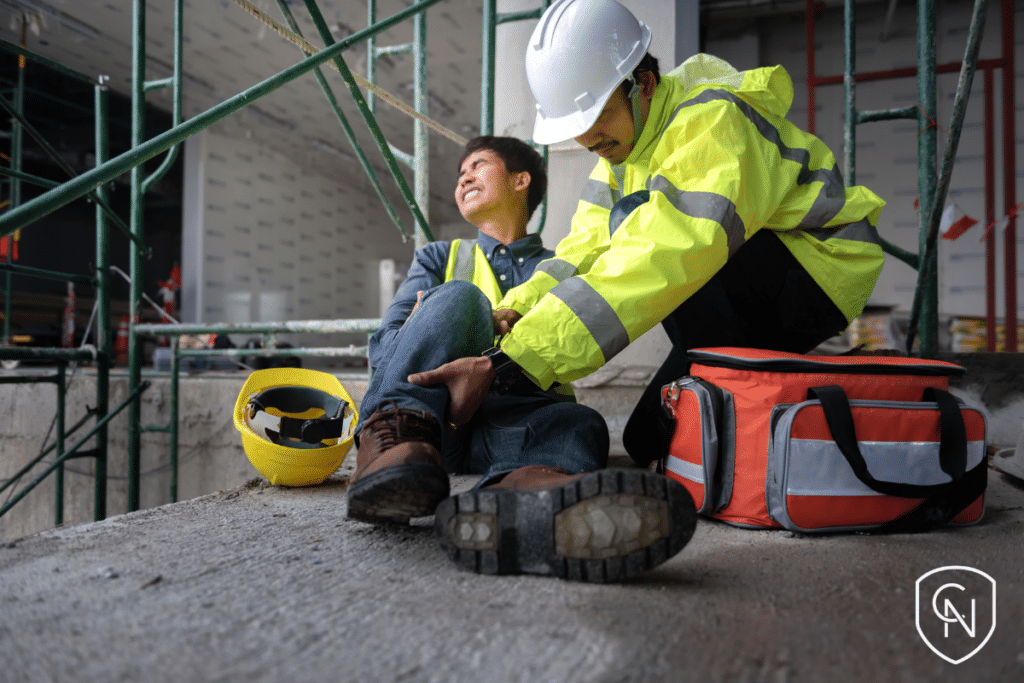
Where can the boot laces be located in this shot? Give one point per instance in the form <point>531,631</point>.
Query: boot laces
<point>397,425</point>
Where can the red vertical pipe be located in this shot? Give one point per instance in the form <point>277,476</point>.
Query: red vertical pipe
<point>990,216</point>
<point>1010,175</point>
<point>809,26</point>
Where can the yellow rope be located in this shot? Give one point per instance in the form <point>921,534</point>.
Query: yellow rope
<point>311,49</point>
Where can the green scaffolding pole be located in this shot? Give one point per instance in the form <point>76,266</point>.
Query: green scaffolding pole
<point>927,282</point>
<point>419,160</point>
<point>932,188</point>
<point>86,182</point>
<point>491,20</point>
<point>104,344</point>
<point>140,185</point>
<point>350,135</point>
<point>62,356</point>
<point>15,198</point>
<point>371,122</point>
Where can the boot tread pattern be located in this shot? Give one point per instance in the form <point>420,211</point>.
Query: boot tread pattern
<point>603,527</point>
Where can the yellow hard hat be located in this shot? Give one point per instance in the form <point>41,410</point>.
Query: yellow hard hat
<point>296,424</point>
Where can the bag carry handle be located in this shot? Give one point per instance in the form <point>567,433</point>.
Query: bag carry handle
<point>942,501</point>
<point>952,443</point>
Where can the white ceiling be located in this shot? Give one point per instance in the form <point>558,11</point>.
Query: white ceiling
<point>227,50</point>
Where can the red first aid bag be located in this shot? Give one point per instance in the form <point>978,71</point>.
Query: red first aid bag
<point>768,439</point>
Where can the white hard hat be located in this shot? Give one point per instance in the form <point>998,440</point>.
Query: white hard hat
<point>579,53</point>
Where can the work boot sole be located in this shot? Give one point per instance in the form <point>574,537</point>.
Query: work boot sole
<point>398,493</point>
<point>602,527</point>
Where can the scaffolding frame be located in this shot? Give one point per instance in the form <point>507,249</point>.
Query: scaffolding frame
<point>92,184</point>
<point>932,184</point>
<point>62,357</point>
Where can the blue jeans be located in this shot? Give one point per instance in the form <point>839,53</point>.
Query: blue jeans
<point>454,321</point>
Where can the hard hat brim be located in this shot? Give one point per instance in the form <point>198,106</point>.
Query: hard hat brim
<point>550,130</point>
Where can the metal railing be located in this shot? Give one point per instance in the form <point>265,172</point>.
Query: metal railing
<point>270,332</point>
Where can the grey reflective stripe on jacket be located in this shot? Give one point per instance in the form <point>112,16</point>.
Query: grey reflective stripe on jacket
<point>831,198</point>
<point>861,231</point>
<point>464,261</point>
<point>600,194</point>
<point>557,268</point>
<point>721,210</point>
<point>595,313</point>
<point>708,205</point>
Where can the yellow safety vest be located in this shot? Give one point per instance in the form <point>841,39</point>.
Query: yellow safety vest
<point>720,162</point>
<point>467,262</point>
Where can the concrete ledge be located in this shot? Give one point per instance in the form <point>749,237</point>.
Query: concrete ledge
<point>262,584</point>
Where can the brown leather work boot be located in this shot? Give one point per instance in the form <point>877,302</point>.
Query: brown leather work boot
<point>399,472</point>
<point>598,527</point>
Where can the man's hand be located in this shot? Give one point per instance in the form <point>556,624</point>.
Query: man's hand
<point>468,381</point>
<point>504,320</point>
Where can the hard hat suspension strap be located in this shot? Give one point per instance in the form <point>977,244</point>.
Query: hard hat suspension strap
<point>634,100</point>
<point>331,425</point>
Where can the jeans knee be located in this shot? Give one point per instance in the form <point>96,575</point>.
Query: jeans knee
<point>458,299</point>
<point>462,307</point>
<point>464,295</point>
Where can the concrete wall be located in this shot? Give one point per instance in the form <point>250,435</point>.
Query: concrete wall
<point>211,456</point>
<point>267,239</point>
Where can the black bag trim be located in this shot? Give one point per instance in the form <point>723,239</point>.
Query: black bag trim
<point>718,360</point>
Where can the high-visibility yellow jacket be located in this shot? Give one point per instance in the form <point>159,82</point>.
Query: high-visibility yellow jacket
<point>721,162</point>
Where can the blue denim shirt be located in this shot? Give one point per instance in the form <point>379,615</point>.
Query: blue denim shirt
<point>512,265</point>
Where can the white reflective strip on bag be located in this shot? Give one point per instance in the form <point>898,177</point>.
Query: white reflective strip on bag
<point>685,469</point>
<point>817,467</point>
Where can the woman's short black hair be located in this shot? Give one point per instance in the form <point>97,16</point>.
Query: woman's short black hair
<point>518,157</point>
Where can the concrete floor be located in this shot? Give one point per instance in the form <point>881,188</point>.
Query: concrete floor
<point>267,584</point>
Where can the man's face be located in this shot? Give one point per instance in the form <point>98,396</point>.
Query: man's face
<point>485,186</point>
<point>611,136</point>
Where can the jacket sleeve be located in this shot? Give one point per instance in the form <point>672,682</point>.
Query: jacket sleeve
<point>425,273</point>
<point>714,181</point>
<point>577,251</point>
